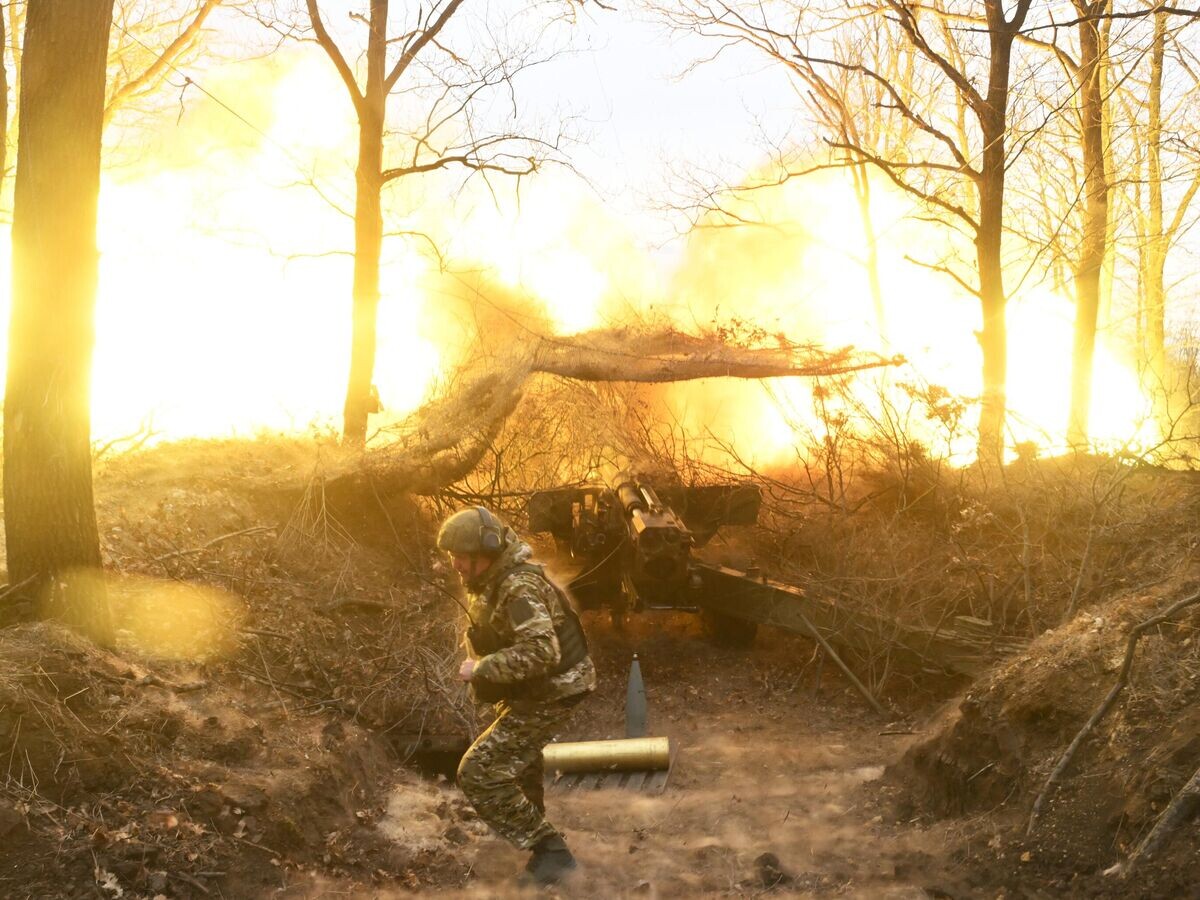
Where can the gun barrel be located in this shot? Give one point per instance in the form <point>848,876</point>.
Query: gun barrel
<point>631,497</point>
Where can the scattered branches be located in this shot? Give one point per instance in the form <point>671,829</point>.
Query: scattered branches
<point>131,82</point>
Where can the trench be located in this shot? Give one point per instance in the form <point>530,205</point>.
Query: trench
<point>775,786</point>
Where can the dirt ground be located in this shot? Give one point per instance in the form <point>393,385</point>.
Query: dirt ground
<point>276,644</point>
<point>773,791</point>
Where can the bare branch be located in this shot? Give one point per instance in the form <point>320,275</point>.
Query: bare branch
<point>335,55</point>
<point>161,63</point>
<point>420,39</point>
<point>445,440</point>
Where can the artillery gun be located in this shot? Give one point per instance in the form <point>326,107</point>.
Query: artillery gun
<point>631,548</point>
<point>631,545</point>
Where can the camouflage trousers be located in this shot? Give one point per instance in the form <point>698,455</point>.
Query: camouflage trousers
<point>502,773</point>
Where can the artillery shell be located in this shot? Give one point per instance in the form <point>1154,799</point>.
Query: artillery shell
<point>629,754</point>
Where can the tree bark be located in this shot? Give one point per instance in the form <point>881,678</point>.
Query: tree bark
<point>993,123</point>
<point>52,538</point>
<point>1153,251</point>
<point>368,234</point>
<point>1094,244</point>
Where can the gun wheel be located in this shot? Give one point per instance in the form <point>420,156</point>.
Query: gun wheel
<point>726,630</point>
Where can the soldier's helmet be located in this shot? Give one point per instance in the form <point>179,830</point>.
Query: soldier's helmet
<point>473,531</point>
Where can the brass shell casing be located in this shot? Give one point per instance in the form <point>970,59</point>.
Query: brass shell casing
<point>627,755</point>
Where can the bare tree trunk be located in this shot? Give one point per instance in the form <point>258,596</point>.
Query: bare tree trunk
<point>993,336</point>
<point>1153,252</point>
<point>368,234</point>
<point>1094,245</point>
<point>1110,258</point>
<point>48,505</point>
<point>370,104</point>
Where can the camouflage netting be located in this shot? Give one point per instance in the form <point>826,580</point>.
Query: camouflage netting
<point>447,438</point>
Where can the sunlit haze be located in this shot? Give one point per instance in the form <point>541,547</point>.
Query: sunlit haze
<point>225,279</point>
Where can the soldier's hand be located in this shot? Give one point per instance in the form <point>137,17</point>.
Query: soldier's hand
<point>465,670</point>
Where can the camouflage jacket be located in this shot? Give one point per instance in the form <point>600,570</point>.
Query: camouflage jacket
<point>525,612</point>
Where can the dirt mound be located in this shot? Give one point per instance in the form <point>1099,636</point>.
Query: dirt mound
<point>340,603</point>
<point>271,643</point>
<point>122,778</point>
<point>990,753</point>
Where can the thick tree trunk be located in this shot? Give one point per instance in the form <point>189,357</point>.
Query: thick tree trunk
<point>993,336</point>
<point>48,507</point>
<point>368,234</point>
<point>993,126</point>
<point>1094,244</point>
<point>368,246</point>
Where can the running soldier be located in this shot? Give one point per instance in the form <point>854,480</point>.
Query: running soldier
<point>529,656</point>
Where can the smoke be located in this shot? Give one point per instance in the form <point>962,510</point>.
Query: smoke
<point>226,268</point>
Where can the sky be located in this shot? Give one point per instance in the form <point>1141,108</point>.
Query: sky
<point>653,119</point>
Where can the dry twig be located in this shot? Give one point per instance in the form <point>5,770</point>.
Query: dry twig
<point>1181,809</point>
<point>220,539</point>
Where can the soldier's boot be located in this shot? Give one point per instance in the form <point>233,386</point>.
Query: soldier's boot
<point>551,860</point>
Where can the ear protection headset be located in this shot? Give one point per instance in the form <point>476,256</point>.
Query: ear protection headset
<point>491,533</point>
